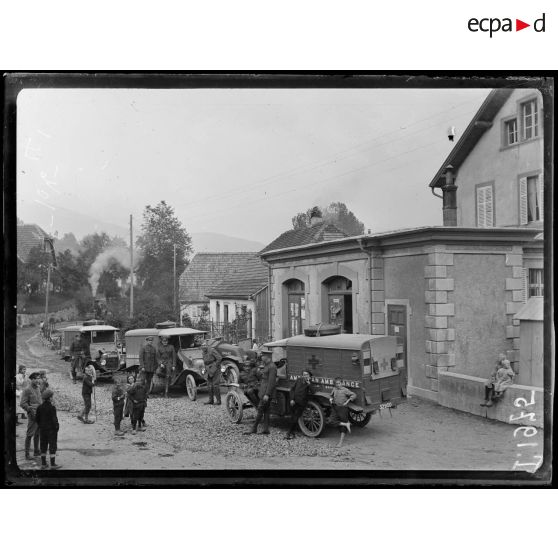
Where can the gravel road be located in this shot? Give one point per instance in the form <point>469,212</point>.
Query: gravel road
<point>184,434</point>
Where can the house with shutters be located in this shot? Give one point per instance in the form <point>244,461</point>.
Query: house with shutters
<point>451,293</point>
<point>222,286</point>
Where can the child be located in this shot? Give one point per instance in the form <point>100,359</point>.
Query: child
<point>138,395</point>
<point>340,398</point>
<point>118,395</point>
<point>498,383</point>
<point>21,384</point>
<point>48,426</point>
<point>86,391</point>
<point>128,401</point>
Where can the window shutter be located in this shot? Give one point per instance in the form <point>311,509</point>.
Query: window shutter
<point>489,207</point>
<point>525,285</point>
<point>541,195</point>
<point>523,201</point>
<point>481,213</point>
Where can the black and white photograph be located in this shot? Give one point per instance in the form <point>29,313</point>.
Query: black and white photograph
<point>251,276</point>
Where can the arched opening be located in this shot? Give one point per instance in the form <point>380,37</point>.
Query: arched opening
<point>339,300</point>
<point>296,306</point>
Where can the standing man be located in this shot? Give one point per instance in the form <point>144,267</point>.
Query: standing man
<point>266,393</point>
<point>212,361</point>
<point>86,391</point>
<point>148,362</point>
<point>138,396</point>
<point>30,401</point>
<point>166,359</point>
<point>299,394</point>
<point>77,353</point>
<point>118,395</point>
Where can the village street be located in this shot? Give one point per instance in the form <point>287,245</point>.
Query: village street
<point>182,434</point>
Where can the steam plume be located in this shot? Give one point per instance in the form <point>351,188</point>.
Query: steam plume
<point>112,254</point>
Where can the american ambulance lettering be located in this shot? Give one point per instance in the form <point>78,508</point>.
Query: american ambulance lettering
<point>327,381</point>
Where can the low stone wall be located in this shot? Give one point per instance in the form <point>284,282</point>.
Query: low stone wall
<point>465,393</point>
<point>64,315</point>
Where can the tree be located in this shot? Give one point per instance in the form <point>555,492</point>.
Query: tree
<point>32,275</point>
<point>161,231</point>
<point>91,246</point>
<point>69,276</point>
<point>335,213</point>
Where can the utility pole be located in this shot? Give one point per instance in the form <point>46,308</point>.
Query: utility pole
<point>174,286</point>
<point>46,298</point>
<point>131,270</point>
<point>50,243</point>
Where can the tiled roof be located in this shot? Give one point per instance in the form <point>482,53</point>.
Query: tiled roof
<point>223,274</point>
<point>28,236</point>
<point>308,235</point>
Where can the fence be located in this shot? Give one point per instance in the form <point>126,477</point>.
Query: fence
<point>232,332</point>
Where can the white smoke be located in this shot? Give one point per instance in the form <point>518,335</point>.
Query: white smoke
<point>119,254</point>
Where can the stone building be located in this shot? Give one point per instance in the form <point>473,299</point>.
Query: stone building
<point>450,292</point>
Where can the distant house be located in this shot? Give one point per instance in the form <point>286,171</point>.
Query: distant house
<point>29,237</point>
<point>224,285</point>
<point>242,293</point>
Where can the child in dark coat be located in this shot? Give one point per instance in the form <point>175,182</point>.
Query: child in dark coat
<point>48,424</point>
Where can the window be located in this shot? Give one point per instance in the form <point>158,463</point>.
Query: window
<point>529,119</point>
<point>536,284</point>
<point>531,198</point>
<point>510,132</point>
<point>485,206</point>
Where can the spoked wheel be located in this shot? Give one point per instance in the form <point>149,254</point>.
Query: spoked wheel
<point>312,421</point>
<point>234,407</point>
<point>230,374</point>
<point>359,418</point>
<point>191,387</point>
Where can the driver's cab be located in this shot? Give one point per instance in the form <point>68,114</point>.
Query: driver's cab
<point>187,343</point>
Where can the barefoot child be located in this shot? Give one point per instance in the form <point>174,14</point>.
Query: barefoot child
<point>340,398</point>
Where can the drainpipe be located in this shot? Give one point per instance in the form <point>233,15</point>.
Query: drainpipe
<point>360,245</point>
<point>450,199</point>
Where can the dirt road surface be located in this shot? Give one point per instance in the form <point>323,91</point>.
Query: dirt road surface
<point>184,434</point>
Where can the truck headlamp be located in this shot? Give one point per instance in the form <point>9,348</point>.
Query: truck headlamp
<point>103,362</point>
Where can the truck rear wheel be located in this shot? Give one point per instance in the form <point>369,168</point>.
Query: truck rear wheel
<point>312,421</point>
<point>230,374</point>
<point>234,407</point>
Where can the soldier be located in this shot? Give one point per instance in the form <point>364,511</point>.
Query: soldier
<point>43,382</point>
<point>212,361</point>
<point>30,401</point>
<point>148,362</point>
<point>166,359</point>
<point>77,352</point>
<point>265,393</point>
<point>299,394</point>
<point>250,376</point>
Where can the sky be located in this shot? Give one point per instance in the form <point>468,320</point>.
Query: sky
<point>239,162</point>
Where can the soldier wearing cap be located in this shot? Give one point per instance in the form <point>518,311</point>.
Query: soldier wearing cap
<point>166,360</point>
<point>86,392</point>
<point>212,362</point>
<point>30,401</point>
<point>266,392</point>
<point>78,350</point>
<point>250,376</point>
<point>148,362</point>
<point>48,425</point>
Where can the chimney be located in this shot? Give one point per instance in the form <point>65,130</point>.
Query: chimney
<point>450,198</point>
<point>315,217</point>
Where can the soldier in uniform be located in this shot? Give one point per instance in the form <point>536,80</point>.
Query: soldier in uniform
<point>77,352</point>
<point>30,401</point>
<point>250,376</point>
<point>212,361</point>
<point>166,360</point>
<point>86,392</point>
<point>299,395</point>
<point>265,393</point>
<point>148,362</point>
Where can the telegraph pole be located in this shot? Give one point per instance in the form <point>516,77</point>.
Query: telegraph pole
<point>131,270</point>
<point>174,285</point>
<point>46,299</point>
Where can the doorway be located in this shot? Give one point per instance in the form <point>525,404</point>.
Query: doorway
<point>340,302</point>
<point>397,326</point>
<point>296,307</point>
